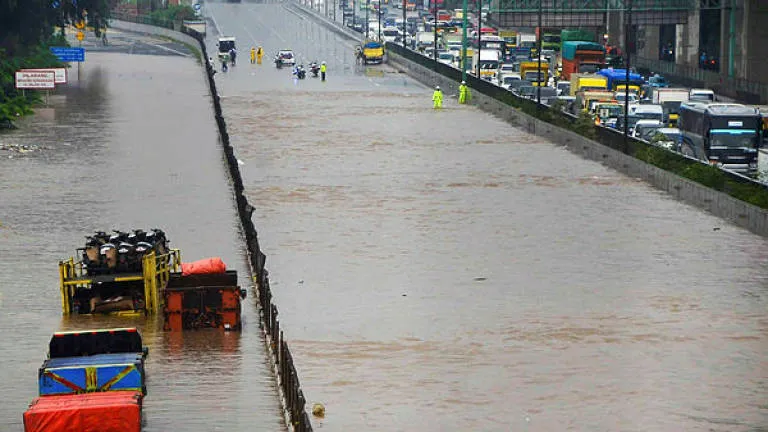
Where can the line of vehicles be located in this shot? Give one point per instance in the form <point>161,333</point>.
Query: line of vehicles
<point>581,76</point>
<point>95,380</point>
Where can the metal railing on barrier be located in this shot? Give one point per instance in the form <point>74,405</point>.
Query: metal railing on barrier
<point>287,376</point>
<point>606,136</point>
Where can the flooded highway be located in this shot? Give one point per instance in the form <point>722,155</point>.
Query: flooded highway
<point>133,144</point>
<point>446,271</point>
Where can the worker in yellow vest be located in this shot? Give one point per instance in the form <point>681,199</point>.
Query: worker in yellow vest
<point>437,98</point>
<point>253,55</point>
<point>323,68</point>
<point>259,55</point>
<point>463,93</point>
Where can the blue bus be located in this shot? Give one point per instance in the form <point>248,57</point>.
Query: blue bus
<point>727,135</point>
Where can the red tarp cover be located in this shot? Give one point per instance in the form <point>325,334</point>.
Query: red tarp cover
<point>203,266</point>
<point>118,411</point>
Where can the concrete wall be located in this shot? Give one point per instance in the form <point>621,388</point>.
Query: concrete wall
<point>157,31</point>
<point>720,204</point>
<point>755,38</point>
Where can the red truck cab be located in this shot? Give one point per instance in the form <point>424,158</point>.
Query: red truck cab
<point>582,57</point>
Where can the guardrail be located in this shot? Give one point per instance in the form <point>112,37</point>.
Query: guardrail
<point>750,92</point>
<point>734,184</point>
<point>288,379</point>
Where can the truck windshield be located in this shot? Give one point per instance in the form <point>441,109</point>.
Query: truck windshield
<point>551,38</point>
<point>589,68</point>
<point>390,33</point>
<point>733,138</point>
<point>534,76</point>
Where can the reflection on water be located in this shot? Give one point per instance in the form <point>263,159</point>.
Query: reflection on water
<point>123,149</point>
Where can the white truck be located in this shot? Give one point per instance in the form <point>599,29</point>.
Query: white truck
<point>489,61</point>
<point>425,39</point>
<point>670,100</point>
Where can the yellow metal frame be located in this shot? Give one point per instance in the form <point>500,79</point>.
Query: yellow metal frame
<point>156,272</point>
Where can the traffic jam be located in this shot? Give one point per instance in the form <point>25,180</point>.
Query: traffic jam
<point>578,73</point>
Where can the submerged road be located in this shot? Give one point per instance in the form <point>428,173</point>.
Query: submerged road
<point>132,144</point>
<point>447,271</point>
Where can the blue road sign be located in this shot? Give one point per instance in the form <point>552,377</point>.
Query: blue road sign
<point>55,4</point>
<point>196,6</point>
<point>67,54</point>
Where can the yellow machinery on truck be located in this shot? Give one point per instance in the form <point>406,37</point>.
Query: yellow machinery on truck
<point>136,293</point>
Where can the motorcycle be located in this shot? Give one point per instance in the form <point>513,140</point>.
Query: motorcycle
<point>314,69</point>
<point>300,72</point>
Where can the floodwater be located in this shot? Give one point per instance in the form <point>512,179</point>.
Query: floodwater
<point>133,144</point>
<point>447,271</point>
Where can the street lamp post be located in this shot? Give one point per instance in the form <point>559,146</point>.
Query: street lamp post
<point>464,42</point>
<point>434,6</point>
<point>627,29</point>
<point>353,14</point>
<point>367,8</point>
<point>479,33</point>
<point>379,12</point>
<point>404,21</point>
<point>538,54</point>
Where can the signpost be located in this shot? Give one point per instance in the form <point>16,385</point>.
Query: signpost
<point>35,79</point>
<point>67,54</point>
<point>59,74</point>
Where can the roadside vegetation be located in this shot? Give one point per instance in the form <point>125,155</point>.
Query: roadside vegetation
<point>28,28</point>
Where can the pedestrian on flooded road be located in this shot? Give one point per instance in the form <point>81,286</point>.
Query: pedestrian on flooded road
<point>463,93</point>
<point>437,98</point>
<point>323,68</point>
<point>259,55</point>
<point>253,55</point>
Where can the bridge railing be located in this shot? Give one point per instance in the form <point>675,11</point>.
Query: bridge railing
<point>734,184</point>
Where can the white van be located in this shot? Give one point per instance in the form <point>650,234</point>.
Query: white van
<point>705,95</point>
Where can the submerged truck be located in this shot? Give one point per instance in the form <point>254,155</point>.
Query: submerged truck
<point>373,52</point>
<point>93,380</point>
<point>192,295</point>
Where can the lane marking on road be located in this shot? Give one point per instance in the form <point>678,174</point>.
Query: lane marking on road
<point>168,49</point>
<point>215,23</point>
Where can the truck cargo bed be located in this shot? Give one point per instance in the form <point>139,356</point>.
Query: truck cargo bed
<point>203,301</point>
<point>103,412</point>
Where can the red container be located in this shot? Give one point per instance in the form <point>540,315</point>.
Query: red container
<point>118,411</point>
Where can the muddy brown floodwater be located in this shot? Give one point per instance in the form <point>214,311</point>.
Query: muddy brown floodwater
<point>447,271</point>
<point>132,145</point>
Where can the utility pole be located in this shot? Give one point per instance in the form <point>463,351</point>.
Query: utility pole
<point>353,14</point>
<point>367,8</point>
<point>464,42</point>
<point>627,29</point>
<point>404,21</point>
<point>479,33</point>
<point>538,54</point>
<point>379,13</point>
<point>434,6</point>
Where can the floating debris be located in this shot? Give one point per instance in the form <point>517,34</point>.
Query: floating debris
<point>21,148</point>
